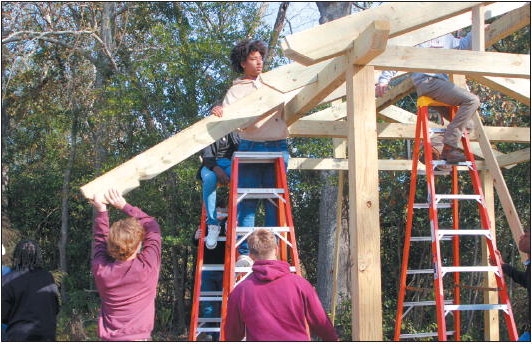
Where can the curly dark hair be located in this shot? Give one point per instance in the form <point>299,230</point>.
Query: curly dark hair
<point>27,256</point>
<point>241,51</point>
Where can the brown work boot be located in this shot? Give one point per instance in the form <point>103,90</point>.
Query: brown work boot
<point>452,154</point>
<point>435,154</point>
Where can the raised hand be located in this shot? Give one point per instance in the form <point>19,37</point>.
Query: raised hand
<point>115,199</point>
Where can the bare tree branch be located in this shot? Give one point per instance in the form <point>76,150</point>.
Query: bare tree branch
<point>277,28</point>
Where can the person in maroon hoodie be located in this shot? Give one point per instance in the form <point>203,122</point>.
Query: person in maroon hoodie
<point>273,304</point>
<point>126,261</point>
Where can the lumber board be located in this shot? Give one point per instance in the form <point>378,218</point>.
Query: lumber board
<point>333,38</point>
<point>452,24</point>
<point>513,158</point>
<point>366,318</point>
<point>291,76</point>
<point>370,43</point>
<point>177,148</point>
<point>507,24</point>
<point>387,131</point>
<point>518,89</point>
<point>414,59</point>
<point>491,317</point>
<point>395,93</point>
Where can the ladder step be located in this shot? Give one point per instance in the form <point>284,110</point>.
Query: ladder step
<point>248,269</point>
<point>259,193</point>
<point>436,173</point>
<point>419,271</point>
<point>426,205</point>
<point>412,239</point>
<point>425,303</point>
<point>208,329</point>
<point>209,320</point>
<point>479,307</point>
<point>271,229</point>
<point>466,197</point>
<point>257,157</point>
<point>437,130</point>
<point>423,335</point>
<point>212,267</point>
<point>211,293</point>
<point>450,232</point>
<point>446,269</point>
<point>445,162</point>
<point>210,298</point>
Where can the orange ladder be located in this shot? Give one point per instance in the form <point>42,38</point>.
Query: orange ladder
<point>438,270</point>
<point>280,196</point>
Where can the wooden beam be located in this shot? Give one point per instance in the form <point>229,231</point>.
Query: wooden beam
<point>513,158</point>
<point>395,93</point>
<point>491,317</point>
<point>508,24</point>
<point>413,59</point>
<point>338,129</point>
<point>518,89</point>
<point>364,205</point>
<point>452,24</point>
<point>291,76</point>
<point>369,44</point>
<point>177,148</point>
<point>333,38</point>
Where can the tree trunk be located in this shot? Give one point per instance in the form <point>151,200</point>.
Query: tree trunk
<point>277,28</point>
<point>327,209</point>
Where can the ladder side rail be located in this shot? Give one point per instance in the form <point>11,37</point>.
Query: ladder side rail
<point>288,211</point>
<point>456,243</point>
<point>408,230</point>
<point>230,249</point>
<point>281,212</point>
<point>194,314</point>
<point>485,221</point>
<point>433,217</point>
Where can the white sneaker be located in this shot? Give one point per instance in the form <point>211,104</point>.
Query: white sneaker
<point>213,231</point>
<point>244,261</point>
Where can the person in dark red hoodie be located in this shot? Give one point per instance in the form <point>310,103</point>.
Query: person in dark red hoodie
<point>273,304</point>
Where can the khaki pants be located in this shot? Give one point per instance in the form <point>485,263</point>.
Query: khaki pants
<point>446,92</point>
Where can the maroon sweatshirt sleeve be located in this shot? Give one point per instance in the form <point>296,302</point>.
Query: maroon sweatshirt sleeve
<point>100,230</point>
<point>151,246</point>
<point>234,327</point>
<point>317,319</point>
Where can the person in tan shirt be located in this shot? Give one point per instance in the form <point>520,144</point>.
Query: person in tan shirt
<point>268,134</point>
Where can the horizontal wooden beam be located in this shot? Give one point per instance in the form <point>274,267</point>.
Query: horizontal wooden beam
<point>413,59</point>
<point>507,24</point>
<point>182,145</point>
<point>317,128</point>
<point>333,38</point>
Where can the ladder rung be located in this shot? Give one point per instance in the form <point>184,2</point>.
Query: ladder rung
<point>256,193</point>
<point>436,173</point>
<point>210,298</point>
<point>221,238</point>
<point>423,335</point>
<point>419,271</point>
<point>446,269</point>
<point>208,329</point>
<point>450,196</point>
<point>257,157</point>
<point>271,229</point>
<point>437,130</point>
<point>424,303</point>
<point>450,232</point>
<point>479,307</point>
<point>211,293</point>
<point>445,162</point>
<point>212,267</point>
<point>426,239</point>
<point>426,205</point>
<point>209,320</point>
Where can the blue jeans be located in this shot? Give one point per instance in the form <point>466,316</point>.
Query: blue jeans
<point>259,176</point>
<point>209,188</point>
<point>211,281</point>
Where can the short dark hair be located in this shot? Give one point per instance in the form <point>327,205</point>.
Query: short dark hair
<point>27,256</point>
<point>241,51</point>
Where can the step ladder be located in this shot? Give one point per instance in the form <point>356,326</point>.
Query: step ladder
<point>279,195</point>
<point>435,201</point>
<point>199,324</point>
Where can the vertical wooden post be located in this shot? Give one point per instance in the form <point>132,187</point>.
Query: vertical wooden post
<point>491,318</point>
<point>340,146</point>
<point>364,229</point>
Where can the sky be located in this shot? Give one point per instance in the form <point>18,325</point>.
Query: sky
<point>301,15</point>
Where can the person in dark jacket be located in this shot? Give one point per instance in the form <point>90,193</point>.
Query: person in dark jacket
<point>30,297</point>
<point>273,304</point>
<point>520,277</point>
<point>216,168</point>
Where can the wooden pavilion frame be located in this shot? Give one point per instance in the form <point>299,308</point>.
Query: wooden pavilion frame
<point>341,58</point>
